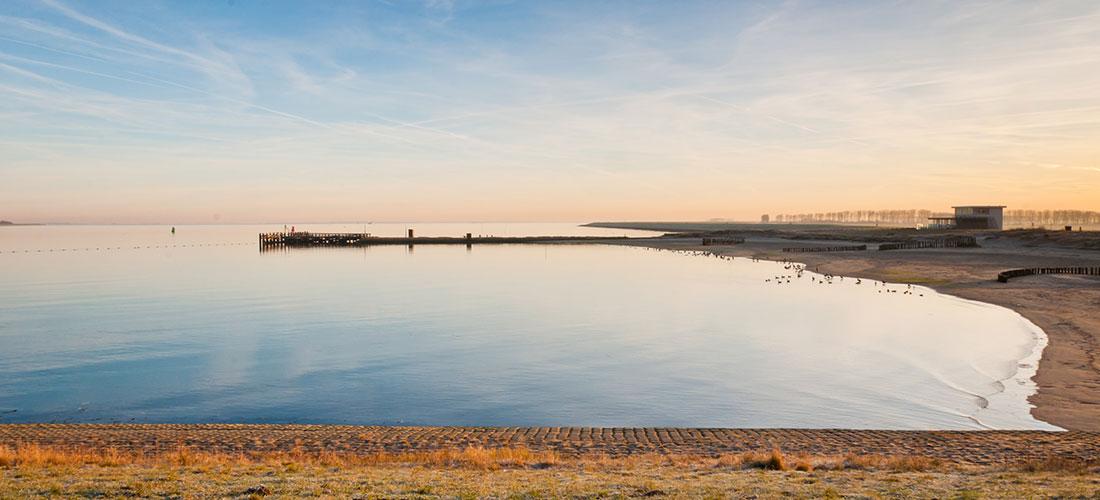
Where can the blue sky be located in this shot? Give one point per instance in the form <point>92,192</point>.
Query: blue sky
<point>311,111</point>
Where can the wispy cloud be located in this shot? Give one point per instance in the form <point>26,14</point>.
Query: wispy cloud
<point>643,111</point>
<point>218,65</point>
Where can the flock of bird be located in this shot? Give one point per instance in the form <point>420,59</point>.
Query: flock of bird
<point>827,279</point>
<point>797,271</point>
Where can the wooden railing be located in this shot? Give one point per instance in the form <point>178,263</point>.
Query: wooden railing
<point>1004,276</point>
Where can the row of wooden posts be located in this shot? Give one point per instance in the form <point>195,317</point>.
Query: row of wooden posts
<point>954,242</point>
<point>1004,276</point>
<point>722,241</point>
<point>849,248</point>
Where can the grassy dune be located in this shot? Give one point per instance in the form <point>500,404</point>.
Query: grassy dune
<point>476,472</point>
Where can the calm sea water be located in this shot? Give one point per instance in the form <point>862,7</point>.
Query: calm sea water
<point>131,323</point>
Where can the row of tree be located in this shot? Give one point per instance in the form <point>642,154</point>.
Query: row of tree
<point>1013,218</point>
<point>906,217</point>
<point>1052,217</point>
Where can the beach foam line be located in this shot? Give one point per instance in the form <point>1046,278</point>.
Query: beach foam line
<point>1022,376</point>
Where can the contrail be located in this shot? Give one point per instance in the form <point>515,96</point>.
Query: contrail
<point>522,108</point>
<point>51,49</point>
<point>269,110</point>
<point>74,69</point>
<point>30,74</point>
<point>780,120</point>
<point>165,84</point>
<point>418,127</point>
<point>107,28</point>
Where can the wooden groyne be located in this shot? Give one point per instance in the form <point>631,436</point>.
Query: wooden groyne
<point>849,248</point>
<point>952,242</point>
<point>722,241</point>
<point>1004,276</point>
<point>305,239</point>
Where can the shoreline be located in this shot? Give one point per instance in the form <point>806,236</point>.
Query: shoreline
<point>1023,373</point>
<point>1004,400</point>
<point>1068,373</point>
<point>1027,368</point>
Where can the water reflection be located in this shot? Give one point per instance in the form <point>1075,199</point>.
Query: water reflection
<point>501,335</point>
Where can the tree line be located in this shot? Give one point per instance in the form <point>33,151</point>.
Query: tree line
<point>1015,218</point>
<point>912,216</point>
<point>1052,217</point>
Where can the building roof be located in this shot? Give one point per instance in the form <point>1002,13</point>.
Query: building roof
<point>980,206</point>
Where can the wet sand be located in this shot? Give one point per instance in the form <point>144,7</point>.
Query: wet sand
<point>1067,308</point>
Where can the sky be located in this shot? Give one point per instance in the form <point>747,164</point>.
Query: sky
<point>269,111</point>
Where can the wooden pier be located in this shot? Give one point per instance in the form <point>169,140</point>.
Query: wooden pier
<point>306,239</point>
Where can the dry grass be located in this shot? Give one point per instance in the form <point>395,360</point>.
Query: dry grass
<point>475,458</point>
<point>1089,240</point>
<point>776,460</point>
<point>1058,465</point>
<point>32,455</point>
<point>30,470</point>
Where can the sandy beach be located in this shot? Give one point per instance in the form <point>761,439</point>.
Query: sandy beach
<point>1063,306</point>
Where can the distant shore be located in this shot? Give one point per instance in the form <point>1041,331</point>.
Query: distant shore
<point>1064,307</point>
